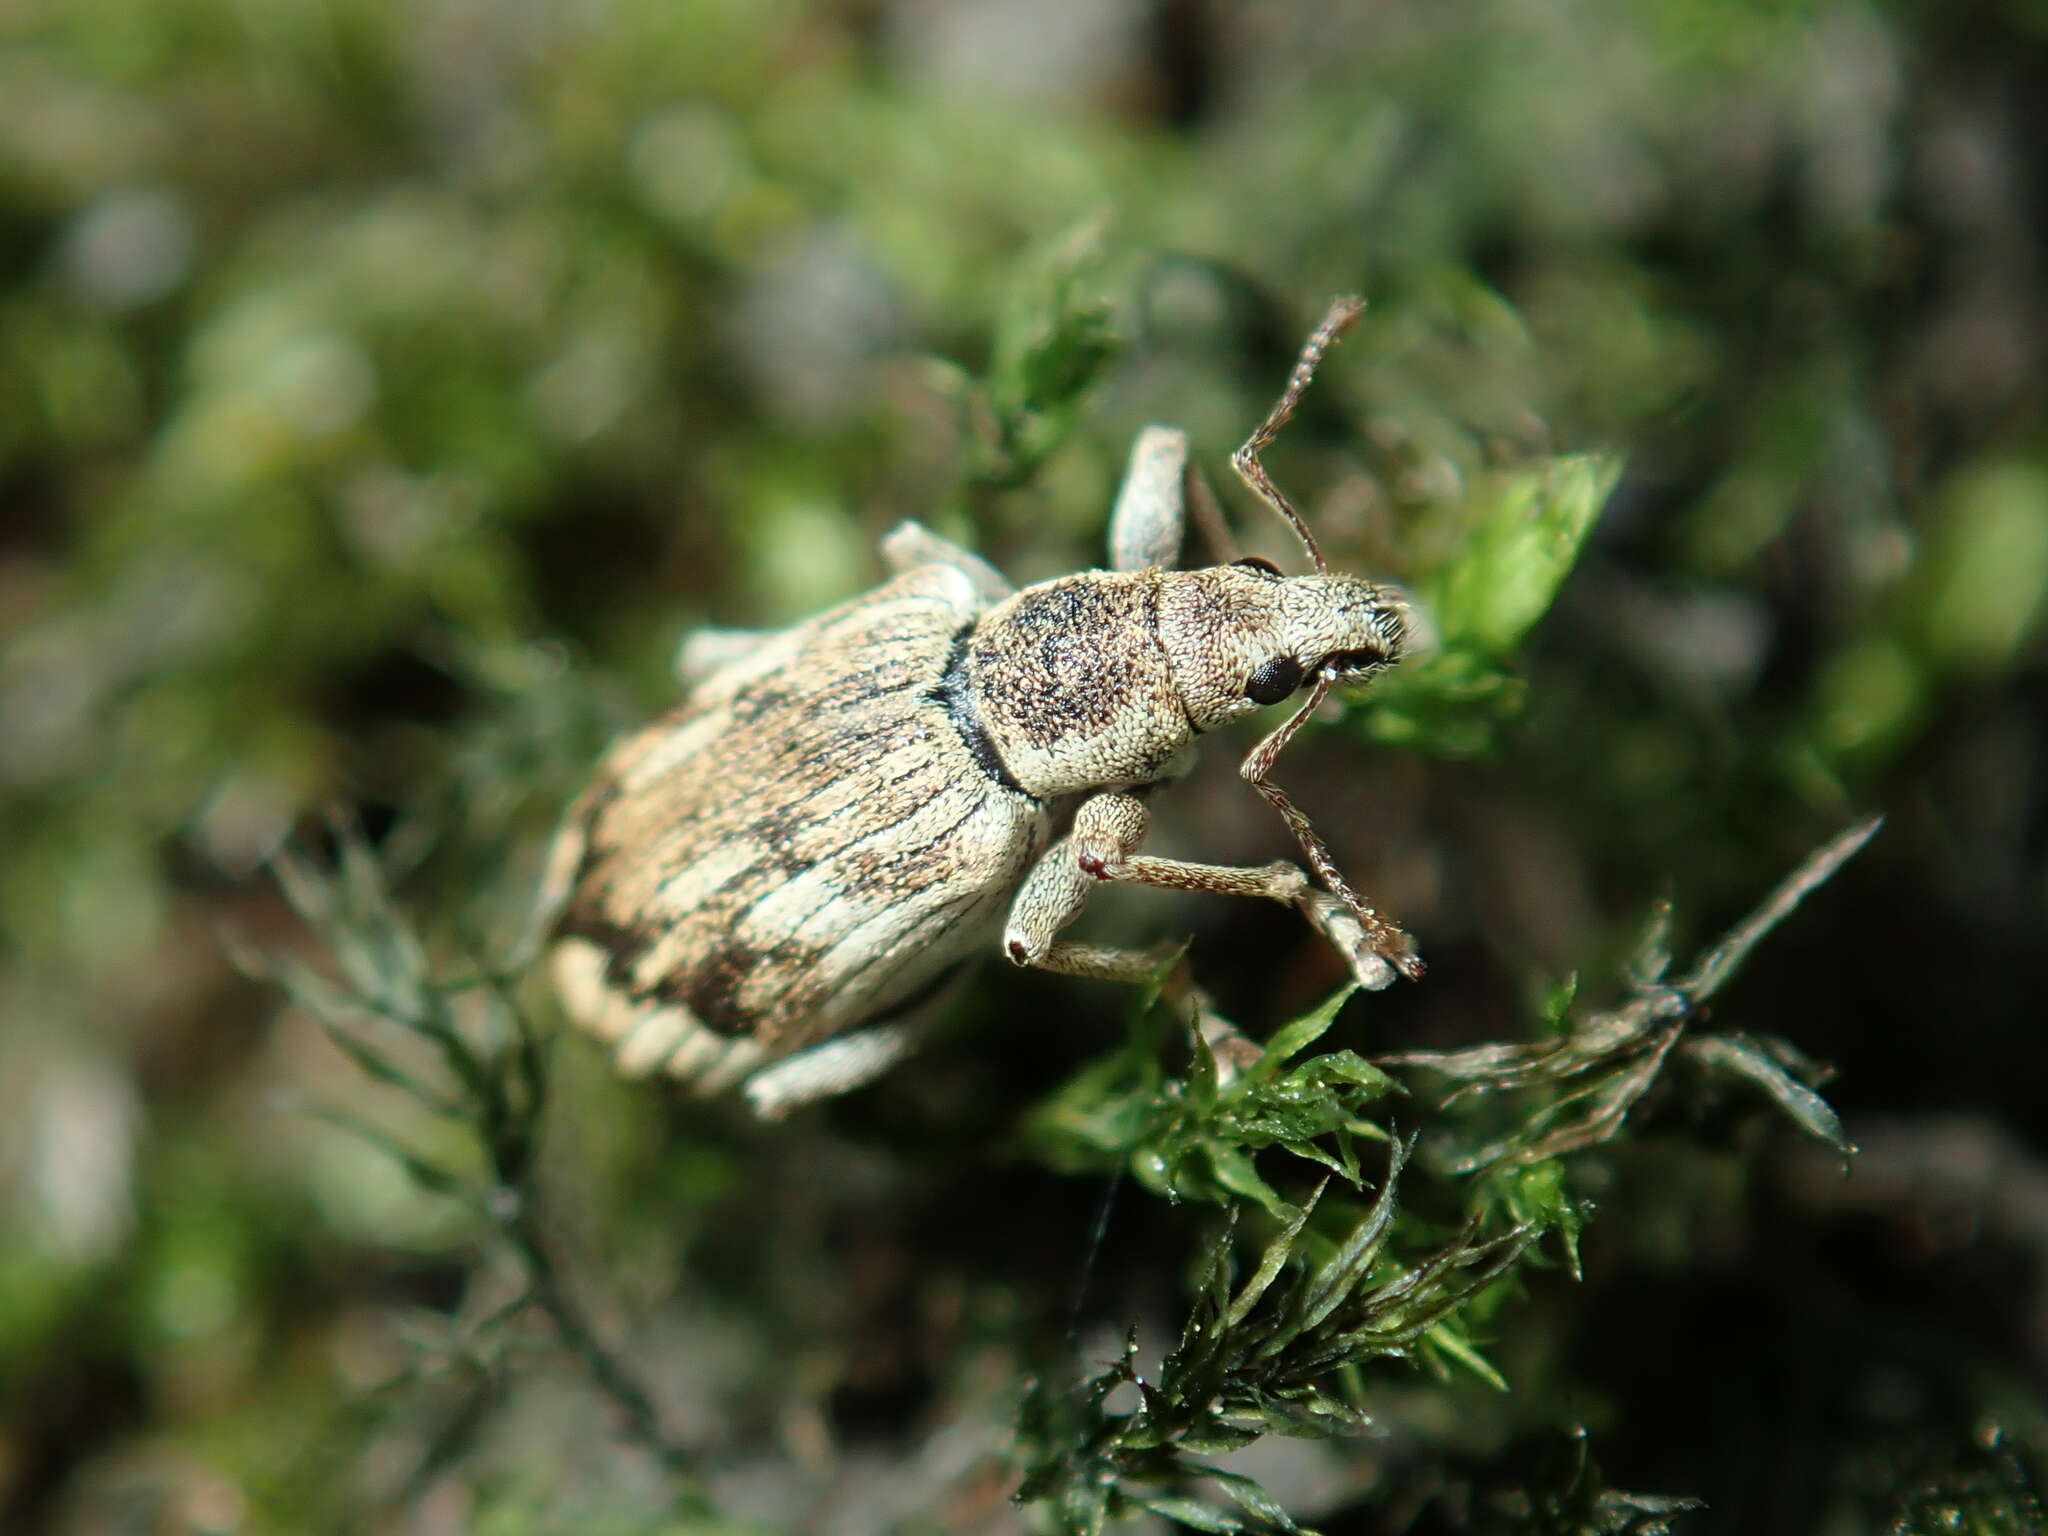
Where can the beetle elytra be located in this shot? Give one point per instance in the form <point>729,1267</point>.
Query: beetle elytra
<point>759,887</point>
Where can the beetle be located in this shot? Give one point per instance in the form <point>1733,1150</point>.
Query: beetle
<point>760,887</point>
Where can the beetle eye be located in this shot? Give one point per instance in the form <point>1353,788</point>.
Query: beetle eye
<point>1258,563</point>
<point>1274,680</point>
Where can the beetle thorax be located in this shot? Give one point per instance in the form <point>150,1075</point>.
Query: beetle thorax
<point>1073,687</point>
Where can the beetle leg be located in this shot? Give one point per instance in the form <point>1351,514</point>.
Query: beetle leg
<point>833,1067</point>
<point>1279,881</point>
<point>1108,830</point>
<point>705,651</point>
<point>1056,890</point>
<point>910,544</point>
<point>1107,826</point>
<point>1150,519</point>
<point>1371,928</point>
<point>1233,1048</point>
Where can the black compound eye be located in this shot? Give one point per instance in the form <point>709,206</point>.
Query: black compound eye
<point>1274,680</point>
<point>1258,563</point>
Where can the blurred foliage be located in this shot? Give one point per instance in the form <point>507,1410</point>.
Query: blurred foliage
<point>475,1067</point>
<point>1260,1360</point>
<point>383,391</point>
<point>1598,1068</point>
<point>1523,533</point>
<point>1052,341</point>
<point>1194,1137</point>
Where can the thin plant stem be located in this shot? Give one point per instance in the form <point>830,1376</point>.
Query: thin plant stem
<point>548,1292</point>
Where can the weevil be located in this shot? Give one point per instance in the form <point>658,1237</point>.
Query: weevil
<point>759,888</point>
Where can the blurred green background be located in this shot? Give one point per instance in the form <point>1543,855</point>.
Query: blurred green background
<point>384,389</point>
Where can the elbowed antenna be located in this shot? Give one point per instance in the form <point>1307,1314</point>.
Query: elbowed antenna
<point>1344,309</point>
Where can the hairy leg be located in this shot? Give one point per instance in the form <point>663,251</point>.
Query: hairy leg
<point>1108,830</point>
<point>833,1067</point>
<point>1149,520</point>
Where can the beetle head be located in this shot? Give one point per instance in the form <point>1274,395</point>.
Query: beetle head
<point>1244,636</point>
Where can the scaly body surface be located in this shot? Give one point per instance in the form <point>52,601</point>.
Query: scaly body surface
<point>760,886</point>
<point>811,839</point>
